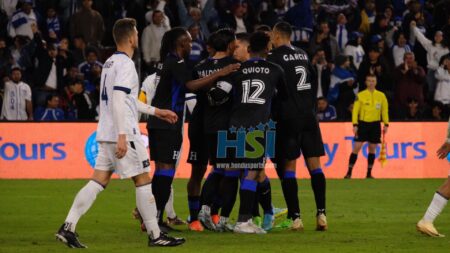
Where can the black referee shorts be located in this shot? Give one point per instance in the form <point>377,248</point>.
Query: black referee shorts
<point>165,145</point>
<point>369,131</point>
<point>297,136</point>
<point>198,151</point>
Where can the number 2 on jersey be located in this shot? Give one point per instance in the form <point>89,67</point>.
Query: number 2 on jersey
<point>253,98</point>
<point>302,85</point>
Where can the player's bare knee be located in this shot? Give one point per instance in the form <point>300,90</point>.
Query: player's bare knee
<point>141,179</point>
<point>313,163</point>
<point>102,177</point>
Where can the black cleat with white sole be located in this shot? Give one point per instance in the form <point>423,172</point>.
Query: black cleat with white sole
<point>165,241</point>
<point>68,237</point>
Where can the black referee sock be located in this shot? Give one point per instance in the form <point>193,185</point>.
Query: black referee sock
<point>247,198</point>
<point>370,161</point>
<point>290,188</point>
<point>264,192</point>
<point>194,207</point>
<point>211,187</point>
<point>162,180</point>
<point>318,184</point>
<point>229,189</point>
<point>351,162</point>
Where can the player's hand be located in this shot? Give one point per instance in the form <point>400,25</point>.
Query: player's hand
<point>355,130</point>
<point>385,129</point>
<point>229,69</point>
<point>166,115</point>
<point>121,147</point>
<point>443,150</point>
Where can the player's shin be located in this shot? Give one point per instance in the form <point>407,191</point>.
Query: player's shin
<point>229,189</point>
<point>146,204</point>
<point>83,201</point>
<point>162,181</point>
<point>290,188</point>
<point>318,185</point>
<point>247,198</point>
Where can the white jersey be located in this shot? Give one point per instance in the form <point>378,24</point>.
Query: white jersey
<point>14,101</point>
<point>119,73</point>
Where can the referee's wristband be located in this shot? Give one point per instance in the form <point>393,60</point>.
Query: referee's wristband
<point>355,125</point>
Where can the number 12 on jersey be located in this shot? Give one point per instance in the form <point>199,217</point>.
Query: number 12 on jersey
<point>258,87</point>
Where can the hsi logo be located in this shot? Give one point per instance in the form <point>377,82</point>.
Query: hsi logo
<point>11,151</point>
<point>259,140</point>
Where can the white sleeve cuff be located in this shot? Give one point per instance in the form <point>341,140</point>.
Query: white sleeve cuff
<point>225,86</point>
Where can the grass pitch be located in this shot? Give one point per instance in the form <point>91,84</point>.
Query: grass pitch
<point>363,216</point>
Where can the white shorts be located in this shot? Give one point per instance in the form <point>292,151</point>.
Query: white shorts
<point>135,162</point>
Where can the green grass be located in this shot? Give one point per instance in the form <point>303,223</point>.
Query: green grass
<point>363,215</point>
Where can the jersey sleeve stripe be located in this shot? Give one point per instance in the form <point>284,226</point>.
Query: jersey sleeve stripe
<point>124,89</point>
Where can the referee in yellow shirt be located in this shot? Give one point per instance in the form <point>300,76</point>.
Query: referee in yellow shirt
<point>370,108</point>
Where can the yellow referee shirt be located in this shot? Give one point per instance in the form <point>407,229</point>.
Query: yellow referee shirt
<point>370,107</point>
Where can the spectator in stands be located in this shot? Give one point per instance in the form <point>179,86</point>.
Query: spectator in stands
<point>300,16</point>
<point>325,40</point>
<point>354,48</point>
<point>323,70</point>
<point>6,59</point>
<point>325,111</point>
<point>49,74</point>
<point>341,33</point>
<point>193,15</point>
<point>437,112</point>
<point>53,26</point>
<point>343,82</point>
<point>91,60</point>
<point>3,23</point>
<point>17,98</point>
<point>154,5</point>
<point>239,19</point>
<point>198,50</point>
<point>22,52</point>
<point>65,52</point>
<point>275,12</point>
<point>82,101</point>
<point>409,81</point>
<point>375,64</point>
<point>399,46</point>
<point>435,50</point>
<point>151,39</point>
<point>414,112</point>
<point>367,17</point>
<point>23,19</point>
<point>87,23</point>
<point>51,112</point>
<point>442,93</point>
<point>79,51</point>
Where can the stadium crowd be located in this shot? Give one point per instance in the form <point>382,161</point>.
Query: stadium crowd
<point>51,52</point>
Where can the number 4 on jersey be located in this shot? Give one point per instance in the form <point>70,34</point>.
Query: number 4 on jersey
<point>302,85</point>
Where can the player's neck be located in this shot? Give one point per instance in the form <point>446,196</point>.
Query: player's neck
<point>129,51</point>
<point>257,56</point>
<point>286,43</point>
<point>220,55</point>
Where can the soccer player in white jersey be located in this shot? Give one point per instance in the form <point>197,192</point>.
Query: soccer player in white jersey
<point>440,198</point>
<point>120,145</point>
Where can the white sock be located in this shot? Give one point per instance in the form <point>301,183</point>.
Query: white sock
<point>170,210</point>
<point>145,202</point>
<point>83,201</point>
<point>437,204</point>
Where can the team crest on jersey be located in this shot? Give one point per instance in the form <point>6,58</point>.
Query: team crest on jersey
<point>146,163</point>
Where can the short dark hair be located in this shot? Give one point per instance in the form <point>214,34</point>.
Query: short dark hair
<point>322,98</point>
<point>243,37</point>
<point>220,40</point>
<point>371,75</point>
<point>284,28</point>
<point>90,50</point>
<point>259,42</point>
<point>123,28</point>
<point>50,97</point>
<point>263,28</point>
<point>169,41</point>
<point>16,68</point>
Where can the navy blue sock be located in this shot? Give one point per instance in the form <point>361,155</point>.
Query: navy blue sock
<point>290,188</point>
<point>211,186</point>
<point>194,207</point>
<point>264,191</point>
<point>318,184</point>
<point>162,180</point>
<point>247,198</point>
<point>229,188</point>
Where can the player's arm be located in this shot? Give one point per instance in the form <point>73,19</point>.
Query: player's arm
<point>163,114</point>
<point>444,150</point>
<point>355,114</point>
<point>29,108</point>
<point>206,81</point>
<point>220,93</point>
<point>119,95</point>
<point>385,113</point>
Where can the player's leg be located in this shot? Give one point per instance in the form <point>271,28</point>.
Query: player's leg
<point>440,199</point>
<point>247,194</point>
<point>87,195</point>
<point>172,218</point>
<point>353,157</point>
<point>228,190</point>
<point>318,184</point>
<point>371,159</point>
<point>145,202</point>
<point>193,189</point>
<point>264,196</point>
